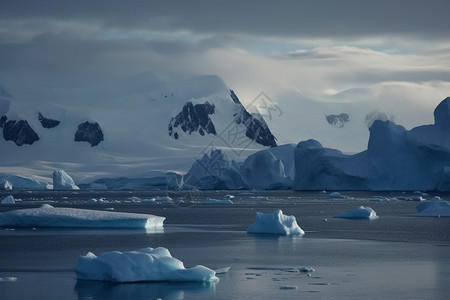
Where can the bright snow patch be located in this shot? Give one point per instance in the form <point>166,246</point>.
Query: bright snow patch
<point>217,201</point>
<point>49,216</point>
<point>276,223</point>
<point>433,208</point>
<point>141,265</point>
<point>361,212</point>
<point>8,200</point>
<point>62,181</point>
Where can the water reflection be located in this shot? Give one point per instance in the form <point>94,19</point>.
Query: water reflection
<point>97,290</point>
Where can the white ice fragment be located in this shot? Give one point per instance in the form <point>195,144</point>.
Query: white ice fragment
<point>275,223</point>
<point>362,212</point>
<point>163,199</point>
<point>337,195</point>
<point>49,216</point>
<point>287,287</point>
<point>146,264</point>
<point>216,201</point>
<point>8,200</point>
<point>6,185</point>
<point>223,270</point>
<point>435,208</point>
<point>8,279</point>
<point>306,269</point>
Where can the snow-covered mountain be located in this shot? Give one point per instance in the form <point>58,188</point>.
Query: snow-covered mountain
<point>128,128</point>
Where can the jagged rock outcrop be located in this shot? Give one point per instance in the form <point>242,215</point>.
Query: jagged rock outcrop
<point>89,132</point>
<point>338,120</point>
<point>20,132</point>
<point>47,123</point>
<point>193,118</point>
<point>256,127</point>
<point>3,120</point>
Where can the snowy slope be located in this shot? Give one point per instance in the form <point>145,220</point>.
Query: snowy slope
<point>126,127</point>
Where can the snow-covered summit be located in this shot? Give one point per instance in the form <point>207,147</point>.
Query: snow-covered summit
<point>127,127</point>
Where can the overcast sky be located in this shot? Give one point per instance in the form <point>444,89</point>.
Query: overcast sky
<point>318,48</point>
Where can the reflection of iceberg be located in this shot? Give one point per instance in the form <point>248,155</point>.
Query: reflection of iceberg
<point>97,290</point>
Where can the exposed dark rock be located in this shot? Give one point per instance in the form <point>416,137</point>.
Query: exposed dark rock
<point>3,121</point>
<point>19,132</point>
<point>257,128</point>
<point>47,123</point>
<point>89,132</point>
<point>194,118</point>
<point>338,120</point>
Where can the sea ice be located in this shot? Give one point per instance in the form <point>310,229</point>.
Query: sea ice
<point>141,265</point>
<point>49,216</point>
<point>433,208</point>
<point>217,201</point>
<point>8,200</point>
<point>362,212</point>
<point>276,223</point>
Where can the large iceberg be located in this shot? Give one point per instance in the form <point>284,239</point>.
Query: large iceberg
<point>19,182</point>
<point>141,265</point>
<point>396,159</point>
<point>49,216</point>
<point>62,181</point>
<point>275,223</point>
<point>362,212</point>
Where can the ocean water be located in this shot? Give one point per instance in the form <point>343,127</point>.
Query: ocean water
<point>395,256</point>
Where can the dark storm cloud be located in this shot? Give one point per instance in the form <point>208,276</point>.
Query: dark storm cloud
<point>300,19</point>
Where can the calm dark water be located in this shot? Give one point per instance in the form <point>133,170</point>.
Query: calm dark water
<point>391,257</point>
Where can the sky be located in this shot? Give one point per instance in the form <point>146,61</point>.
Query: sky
<point>393,55</point>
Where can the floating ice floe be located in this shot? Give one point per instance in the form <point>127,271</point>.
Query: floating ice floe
<point>275,223</point>
<point>217,201</point>
<point>362,212</point>
<point>433,208</point>
<point>49,216</point>
<point>141,265</point>
<point>337,195</point>
<point>8,200</point>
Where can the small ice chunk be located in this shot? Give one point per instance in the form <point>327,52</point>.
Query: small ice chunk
<point>216,201</point>
<point>147,264</point>
<point>163,199</point>
<point>306,269</point>
<point>362,212</point>
<point>435,208</point>
<point>49,216</point>
<point>287,287</point>
<point>223,270</point>
<point>337,195</point>
<point>8,200</point>
<point>275,223</point>
<point>8,279</point>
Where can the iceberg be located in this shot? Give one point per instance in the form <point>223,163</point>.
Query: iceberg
<point>146,264</point>
<point>395,159</point>
<point>433,208</point>
<point>8,200</point>
<point>362,212</point>
<point>62,181</point>
<point>275,223</point>
<point>217,201</point>
<point>19,182</point>
<point>49,216</point>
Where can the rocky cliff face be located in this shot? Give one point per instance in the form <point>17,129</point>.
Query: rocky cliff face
<point>47,123</point>
<point>20,132</point>
<point>89,132</point>
<point>193,118</point>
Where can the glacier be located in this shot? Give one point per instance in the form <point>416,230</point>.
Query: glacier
<point>142,265</point>
<point>49,216</point>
